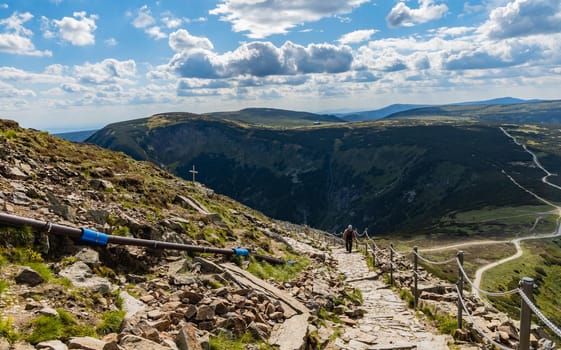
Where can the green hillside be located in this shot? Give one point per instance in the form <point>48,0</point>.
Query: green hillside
<point>392,176</point>
<point>548,112</point>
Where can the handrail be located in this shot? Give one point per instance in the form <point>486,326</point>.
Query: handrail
<point>102,239</point>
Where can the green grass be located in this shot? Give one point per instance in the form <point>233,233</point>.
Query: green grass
<point>224,341</point>
<point>7,330</point>
<point>326,315</point>
<point>3,286</point>
<point>279,272</point>
<point>62,327</point>
<point>111,322</point>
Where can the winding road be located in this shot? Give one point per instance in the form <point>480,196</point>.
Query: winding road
<point>516,241</point>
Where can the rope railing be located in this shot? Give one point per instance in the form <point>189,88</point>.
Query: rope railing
<point>524,291</point>
<point>476,327</point>
<point>538,313</point>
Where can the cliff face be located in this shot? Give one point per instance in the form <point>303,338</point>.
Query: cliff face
<point>387,176</point>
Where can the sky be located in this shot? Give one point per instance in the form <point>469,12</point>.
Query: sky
<point>82,64</point>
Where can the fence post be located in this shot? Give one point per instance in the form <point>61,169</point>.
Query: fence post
<point>526,284</point>
<point>460,257</point>
<point>415,265</point>
<point>391,264</point>
<point>373,254</point>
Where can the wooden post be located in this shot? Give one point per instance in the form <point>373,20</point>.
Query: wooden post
<point>460,256</point>
<point>526,284</point>
<point>415,268</point>
<point>373,254</point>
<point>391,264</point>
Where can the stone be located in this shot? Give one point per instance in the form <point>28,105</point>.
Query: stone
<point>220,306</point>
<point>277,315</point>
<point>81,276</point>
<point>155,314</point>
<point>51,345</point>
<point>65,211</point>
<point>260,331</point>
<point>171,306</point>
<point>20,198</point>
<point>186,339</point>
<point>184,280</point>
<point>147,298</point>
<point>131,305</point>
<point>98,216</point>
<point>207,266</point>
<point>236,324</point>
<point>88,255</point>
<point>86,343</point>
<point>99,184</point>
<point>205,313</point>
<point>190,312</point>
<point>22,346</point>
<point>133,342</point>
<point>48,311</point>
<point>4,345</point>
<point>193,297</point>
<point>29,276</point>
<point>151,333</point>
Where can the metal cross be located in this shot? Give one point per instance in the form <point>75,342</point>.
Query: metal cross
<point>193,171</point>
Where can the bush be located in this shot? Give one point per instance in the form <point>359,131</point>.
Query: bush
<point>16,237</point>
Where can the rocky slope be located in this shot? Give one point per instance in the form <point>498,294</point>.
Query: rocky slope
<point>57,293</point>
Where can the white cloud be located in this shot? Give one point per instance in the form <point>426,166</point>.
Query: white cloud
<point>18,75</point>
<point>9,91</point>
<point>262,59</point>
<point>144,18</point>
<point>4,6</point>
<point>523,18</point>
<point>171,21</point>
<point>77,30</point>
<point>182,40</point>
<point>155,32</point>
<point>357,36</point>
<point>402,15</point>
<point>263,18</point>
<point>16,38</point>
<point>111,42</point>
<point>107,71</point>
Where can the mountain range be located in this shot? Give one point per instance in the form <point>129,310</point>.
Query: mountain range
<point>405,173</point>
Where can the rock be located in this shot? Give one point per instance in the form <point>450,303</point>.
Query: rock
<point>86,343</point>
<point>133,342</point>
<point>220,306</point>
<point>207,266</point>
<point>147,298</point>
<point>13,173</point>
<point>88,255</point>
<point>131,305</point>
<point>20,198</point>
<point>81,276</point>
<point>186,339</point>
<point>260,331</point>
<point>155,314</point>
<point>30,277</point>
<point>193,297</point>
<point>51,345</point>
<point>190,312</point>
<point>22,346</point>
<point>4,345</point>
<point>152,334</point>
<point>184,280</point>
<point>48,311</point>
<point>98,216</point>
<point>235,323</point>
<point>99,184</point>
<point>65,211</point>
<point>205,313</point>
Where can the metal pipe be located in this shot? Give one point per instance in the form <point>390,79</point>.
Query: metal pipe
<point>102,239</point>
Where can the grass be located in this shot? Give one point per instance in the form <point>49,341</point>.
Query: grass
<point>111,322</point>
<point>280,272</point>
<point>62,327</point>
<point>7,330</point>
<point>3,286</point>
<point>226,341</point>
<point>445,323</point>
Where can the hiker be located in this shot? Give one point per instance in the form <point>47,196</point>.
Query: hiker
<point>348,237</point>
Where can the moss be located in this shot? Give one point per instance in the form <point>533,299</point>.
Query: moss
<point>16,236</point>
<point>228,341</point>
<point>326,315</point>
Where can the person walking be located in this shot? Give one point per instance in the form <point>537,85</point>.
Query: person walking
<point>348,236</point>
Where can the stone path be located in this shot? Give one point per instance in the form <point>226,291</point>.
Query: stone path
<point>387,323</point>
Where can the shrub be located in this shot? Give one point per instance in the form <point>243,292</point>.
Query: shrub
<point>16,237</point>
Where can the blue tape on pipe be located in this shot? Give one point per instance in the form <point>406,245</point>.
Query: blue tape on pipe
<point>91,236</point>
<point>241,251</point>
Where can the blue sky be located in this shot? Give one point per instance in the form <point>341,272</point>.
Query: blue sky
<point>79,64</point>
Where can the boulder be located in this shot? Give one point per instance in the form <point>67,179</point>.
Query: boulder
<point>29,276</point>
<point>133,342</point>
<point>65,211</point>
<point>81,276</point>
<point>186,339</point>
<point>51,345</point>
<point>88,255</point>
<point>86,343</point>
